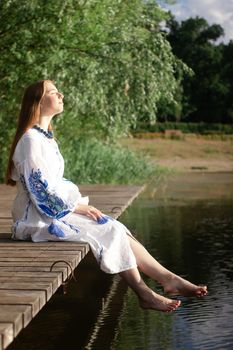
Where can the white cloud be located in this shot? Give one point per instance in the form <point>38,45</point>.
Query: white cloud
<point>214,11</point>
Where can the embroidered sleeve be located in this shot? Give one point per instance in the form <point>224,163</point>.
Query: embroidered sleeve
<point>48,202</point>
<point>43,184</point>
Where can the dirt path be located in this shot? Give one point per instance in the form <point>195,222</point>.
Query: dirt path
<point>191,154</point>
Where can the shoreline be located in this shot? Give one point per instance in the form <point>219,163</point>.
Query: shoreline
<point>196,165</point>
<point>191,154</point>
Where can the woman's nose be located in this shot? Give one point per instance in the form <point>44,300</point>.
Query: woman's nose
<point>60,95</point>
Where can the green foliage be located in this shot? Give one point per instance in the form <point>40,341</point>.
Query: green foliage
<point>109,59</point>
<point>208,94</point>
<point>92,161</point>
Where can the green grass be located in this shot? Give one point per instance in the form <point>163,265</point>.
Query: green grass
<point>92,161</point>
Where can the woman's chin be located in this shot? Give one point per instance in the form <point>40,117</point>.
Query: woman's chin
<point>59,111</point>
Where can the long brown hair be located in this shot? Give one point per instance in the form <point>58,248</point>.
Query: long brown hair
<point>29,115</point>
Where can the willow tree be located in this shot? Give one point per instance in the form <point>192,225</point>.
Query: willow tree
<point>109,58</point>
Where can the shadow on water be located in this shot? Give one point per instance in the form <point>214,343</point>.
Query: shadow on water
<point>187,224</point>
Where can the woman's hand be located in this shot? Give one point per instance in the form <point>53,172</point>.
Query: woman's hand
<point>89,211</point>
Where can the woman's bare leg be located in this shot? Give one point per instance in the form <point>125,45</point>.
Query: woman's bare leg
<point>148,299</point>
<point>171,283</point>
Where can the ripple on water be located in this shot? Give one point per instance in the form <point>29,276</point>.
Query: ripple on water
<point>207,322</point>
<point>194,239</point>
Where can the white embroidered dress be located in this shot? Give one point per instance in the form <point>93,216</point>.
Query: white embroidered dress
<point>43,209</point>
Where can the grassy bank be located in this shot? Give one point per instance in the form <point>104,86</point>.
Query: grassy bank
<point>190,153</point>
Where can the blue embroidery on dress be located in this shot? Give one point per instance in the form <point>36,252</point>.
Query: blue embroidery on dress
<point>55,230</point>
<point>74,228</point>
<point>104,219</point>
<point>50,204</point>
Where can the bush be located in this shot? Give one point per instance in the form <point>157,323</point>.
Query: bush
<point>92,161</point>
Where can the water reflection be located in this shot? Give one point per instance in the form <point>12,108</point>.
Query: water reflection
<point>187,225</point>
<point>189,229</point>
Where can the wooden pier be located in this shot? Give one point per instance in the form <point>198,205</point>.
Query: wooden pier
<point>30,273</point>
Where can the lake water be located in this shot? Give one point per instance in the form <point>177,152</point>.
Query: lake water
<point>187,224</point>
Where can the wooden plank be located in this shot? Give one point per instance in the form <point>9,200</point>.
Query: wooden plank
<point>32,248</point>
<point>36,299</point>
<point>37,263</point>
<point>26,279</point>
<point>14,317</point>
<point>45,287</point>
<point>36,270</point>
<point>7,334</point>
<point>5,232</point>
<point>50,248</point>
<point>46,256</point>
<point>32,280</point>
<point>5,220</point>
<point>20,274</point>
<point>25,310</point>
<point>43,245</point>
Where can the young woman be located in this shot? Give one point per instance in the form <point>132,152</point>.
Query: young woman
<point>49,207</point>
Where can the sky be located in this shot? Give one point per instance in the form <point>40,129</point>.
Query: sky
<point>214,11</point>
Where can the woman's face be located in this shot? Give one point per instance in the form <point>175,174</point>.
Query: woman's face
<point>52,101</point>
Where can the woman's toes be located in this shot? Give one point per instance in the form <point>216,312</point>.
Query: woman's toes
<point>157,302</point>
<point>180,286</point>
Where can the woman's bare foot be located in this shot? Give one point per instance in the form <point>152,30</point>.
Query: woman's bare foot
<point>154,301</point>
<point>179,286</point>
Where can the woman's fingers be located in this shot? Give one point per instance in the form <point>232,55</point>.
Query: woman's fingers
<point>89,211</point>
<point>95,213</point>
